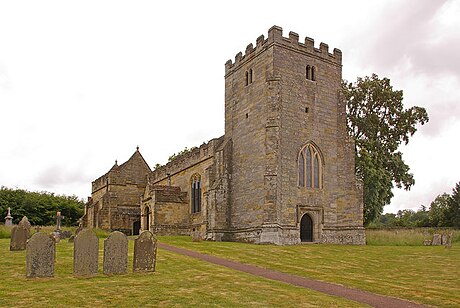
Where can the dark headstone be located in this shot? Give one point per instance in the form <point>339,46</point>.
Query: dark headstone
<point>19,235</point>
<point>40,256</point>
<point>116,254</point>
<point>145,252</point>
<point>85,254</point>
<point>66,234</point>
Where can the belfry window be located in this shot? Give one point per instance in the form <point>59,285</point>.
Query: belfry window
<point>249,77</point>
<point>310,167</point>
<point>195,193</point>
<point>310,73</point>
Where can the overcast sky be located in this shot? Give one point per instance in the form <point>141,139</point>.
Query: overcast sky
<point>82,83</point>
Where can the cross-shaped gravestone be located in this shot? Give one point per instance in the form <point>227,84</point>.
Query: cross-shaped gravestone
<point>58,221</point>
<point>9,219</point>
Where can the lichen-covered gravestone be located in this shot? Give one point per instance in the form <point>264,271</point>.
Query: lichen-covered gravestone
<point>85,254</point>
<point>437,240</point>
<point>19,236</point>
<point>26,224</point>
<point>145,252</point>
<point>116,254</point>
<point>40,254</point>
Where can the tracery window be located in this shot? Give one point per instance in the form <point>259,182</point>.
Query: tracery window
<point>310,167</point>
<point>195,193</point>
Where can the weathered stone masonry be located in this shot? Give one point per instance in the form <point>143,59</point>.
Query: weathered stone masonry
<point>282,173</point>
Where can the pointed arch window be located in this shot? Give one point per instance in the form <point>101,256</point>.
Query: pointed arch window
<point>310,167</point>
<point>195,193</point>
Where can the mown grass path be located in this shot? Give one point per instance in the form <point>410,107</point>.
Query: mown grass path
<point>374,300</point>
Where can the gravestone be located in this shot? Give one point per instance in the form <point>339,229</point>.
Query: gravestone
<point>196,236</point>
<point>26,224</point>
<point>65,234</point>
<point>79,229</point>
<point>18,240</point>
<point>116,254</point>
<point>85,254</point>
<point>9,219</point>
<point>145,252</point>
<point>427,242</point>
<point>437,240</point>
<point>40,256</point>
<point>448,243</point>
<point>58,221</point>
<point>444,239</point>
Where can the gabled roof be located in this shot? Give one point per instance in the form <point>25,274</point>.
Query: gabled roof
<point>137,156</point>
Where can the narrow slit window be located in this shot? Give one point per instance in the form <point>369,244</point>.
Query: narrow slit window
<point>247,78</point>
<point>250,76</point>
<point>313,73</point>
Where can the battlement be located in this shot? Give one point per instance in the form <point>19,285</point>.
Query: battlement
<point>99,182</point>
<point>275,37</point>
<point>186,160</point>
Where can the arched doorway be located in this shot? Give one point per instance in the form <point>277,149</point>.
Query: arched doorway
<point>136,227</point>
<point>147,218</point>
<point>306,229</point>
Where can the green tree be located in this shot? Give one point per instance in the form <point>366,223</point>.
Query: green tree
<point>40,207</point>
<point>378,122</point>
<point>438,216</point>
<point>453,211</point>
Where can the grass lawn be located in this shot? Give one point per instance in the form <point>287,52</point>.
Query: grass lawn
<point>178,282</point>
<point>424,274</point>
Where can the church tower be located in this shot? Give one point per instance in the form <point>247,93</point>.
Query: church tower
<point>292,177</point>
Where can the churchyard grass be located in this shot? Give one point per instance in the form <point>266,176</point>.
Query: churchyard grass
<point>406,237</point>
<point>424,274</point>
<point>179,281</point>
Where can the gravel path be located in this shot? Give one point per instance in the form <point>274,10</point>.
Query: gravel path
<point>324,287</point>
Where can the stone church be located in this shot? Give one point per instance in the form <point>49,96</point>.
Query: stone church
<point>283,173</point>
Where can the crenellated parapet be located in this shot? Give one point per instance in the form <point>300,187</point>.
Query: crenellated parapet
<point>186,160</point>
<point>275,37</point>
<point>99,182</point>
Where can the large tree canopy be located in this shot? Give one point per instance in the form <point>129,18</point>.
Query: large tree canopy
<point>379,124</point>
<point>40,207</point>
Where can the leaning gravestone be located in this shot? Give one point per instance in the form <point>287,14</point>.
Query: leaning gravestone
<point>19,235</point>
<point>40,255</point>
<point>437,240</point>
<point>85,254</point>
<point>145,252</point>
<point>116,254</point>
